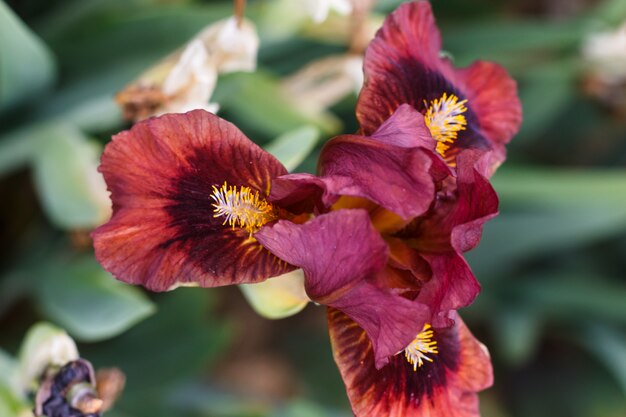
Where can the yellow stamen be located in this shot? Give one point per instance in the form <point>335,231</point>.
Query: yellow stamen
<point>242,207</point>
<point>444,118</point>
<point>416,351</point>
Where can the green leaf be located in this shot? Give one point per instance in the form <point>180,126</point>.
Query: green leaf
<point>544,211</point>
<point>170,347</point>
<point>255,100</point>
<point>541,109</point>
<point>26,65</point>
<point>491,39</point>
<point>88,302</point>
<point>563,189</point>
<point>293,147</point>
<point>515,237</point>
<point>7,368</point>
<point>608,345</point>
<point>11,406</point>
<point>73,193</point>
<point>612,12</point>
<point>517,332</point>
<point>17,150</point>
<point>571,297</point>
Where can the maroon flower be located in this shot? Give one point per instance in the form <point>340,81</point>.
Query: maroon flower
<point>417,211</point>
<point>194,204</point>
<point>437,375</point>
<point>475,107</point>
<point>189,191</point>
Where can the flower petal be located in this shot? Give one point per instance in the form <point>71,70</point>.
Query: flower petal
<point>452,286</point>
<point>341,255</point>
<point>493,96</point>
<point>456,219</point>
<point>445,387</point>
<point>301,193</point>
<point>402,66</point>
<point>406,128</point>
<point>163,232</point>
<point>394,177</point>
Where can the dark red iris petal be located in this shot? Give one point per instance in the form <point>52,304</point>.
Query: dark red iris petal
<point>445,387</point>
<point>455,220</point>
<point>405,128</point>
<point>341,255</point>
<point>393,177</point>
<point>403,65</point>
<point>452,286</point>
<point>163,232</point>
<point>302,193</point>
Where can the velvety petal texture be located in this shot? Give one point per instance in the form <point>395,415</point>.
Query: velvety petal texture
<point>403,66</point>
<point>341,255</point>
<point>393,177</point>
<point>163,232</point>
<point>445,387</point>
<point>455,220</point>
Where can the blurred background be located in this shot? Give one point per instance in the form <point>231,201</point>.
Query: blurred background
<point>553,306</point>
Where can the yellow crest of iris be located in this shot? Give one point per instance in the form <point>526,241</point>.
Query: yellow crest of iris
<point>423,344</point>
<point>242,207</point>
<point>444,118</point>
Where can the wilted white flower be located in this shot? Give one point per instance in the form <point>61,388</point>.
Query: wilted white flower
<point>605,79</point>
<point>186,79</point>
<point>606,52</point>
<point>44,346</point>
<point>319,9</point>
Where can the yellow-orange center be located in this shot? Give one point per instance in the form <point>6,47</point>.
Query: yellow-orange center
<point>423,344</point>
<point>444,118</point>
<point>242,207</point>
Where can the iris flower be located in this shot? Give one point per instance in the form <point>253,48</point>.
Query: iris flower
<point>192,197</point>
<point>470,108</point>
<point>380,232</point>
<point>437,375</point>
<point>389,182</point>
<point>197,203</point>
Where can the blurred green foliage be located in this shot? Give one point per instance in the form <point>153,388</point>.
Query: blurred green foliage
<point>553,306</point>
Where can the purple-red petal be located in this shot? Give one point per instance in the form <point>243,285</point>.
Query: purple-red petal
<point>452,286</point>
<point>455,220</point>
<point>163,232</point>
<point>403,66</point>
<point>405,128</point>
<point>396,178</point>
<point>341,255</point>
<point>446,387</point>
<point>493,96</point>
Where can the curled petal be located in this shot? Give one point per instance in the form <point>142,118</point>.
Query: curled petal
<point>455,220</point>
<point>405,128</point>
<point>164,232</point>
<point>394,177</point>
<point>341,255</point>
<point>302,193</point>
<point>445,387</point>
<point>451,286</point>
